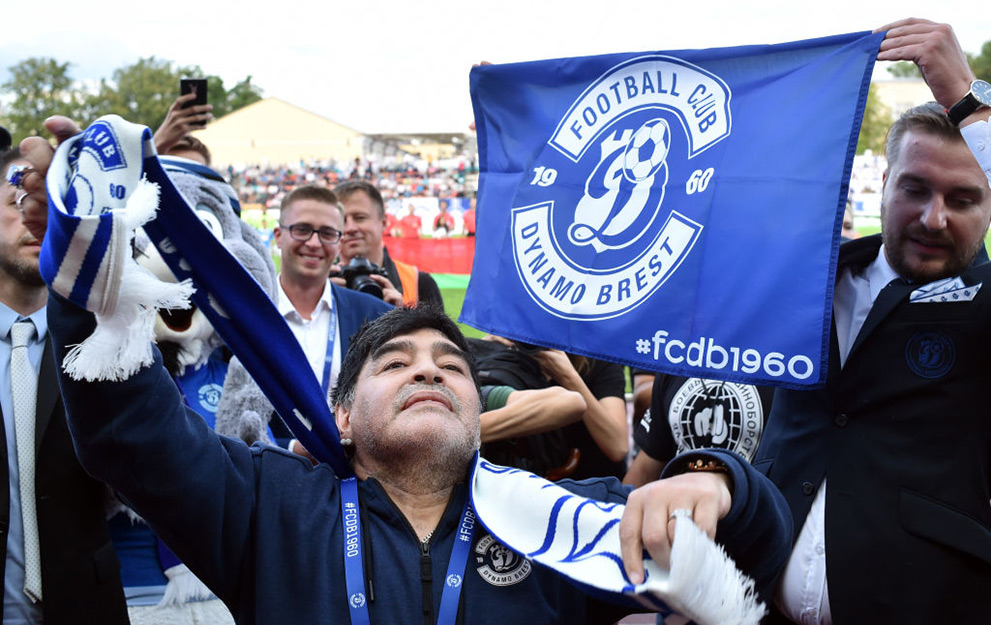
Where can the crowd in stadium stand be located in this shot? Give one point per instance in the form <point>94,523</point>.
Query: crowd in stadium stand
<point>267,186</point>
<point>865,184</point>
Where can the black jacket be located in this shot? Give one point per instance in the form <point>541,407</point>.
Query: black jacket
<point>79,568</point>
<point>903,433</point>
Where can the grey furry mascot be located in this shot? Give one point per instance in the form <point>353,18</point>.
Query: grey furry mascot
<point>159,588</point>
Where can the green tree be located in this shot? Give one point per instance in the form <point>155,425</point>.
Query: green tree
<point>142,92</point>
<point>216,95</point>
<point>224,101</point>
<point>877,118</point>
<point>242,94</point>
<point>904,69</point>
<point>41,87</point>
<point>981,64</point>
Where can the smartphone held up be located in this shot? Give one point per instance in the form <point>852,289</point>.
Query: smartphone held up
<point>196,86</point>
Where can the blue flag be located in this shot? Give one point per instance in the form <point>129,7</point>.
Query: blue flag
<point>674,211</point>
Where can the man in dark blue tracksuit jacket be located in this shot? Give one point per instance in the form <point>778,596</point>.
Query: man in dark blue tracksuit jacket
<point>263,528</point>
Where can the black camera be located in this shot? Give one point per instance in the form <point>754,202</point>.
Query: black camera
<point>356,275</point>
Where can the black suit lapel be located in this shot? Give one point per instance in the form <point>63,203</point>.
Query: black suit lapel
<point>833,372</point>
<point>344,319</point>
<point>47,394</point>
<point>859,253</point>
<point>856,255</point>
<point>889,297</point>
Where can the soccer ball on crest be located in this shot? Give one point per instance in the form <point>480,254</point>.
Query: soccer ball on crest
<point>646,151</point>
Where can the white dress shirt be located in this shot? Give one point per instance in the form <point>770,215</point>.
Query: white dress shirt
<point>978,138</point>
<point>313,333</point>
<point>803,595</point>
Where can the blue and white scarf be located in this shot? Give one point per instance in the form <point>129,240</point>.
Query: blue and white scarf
<point>579,538</point>
<point>103,184</point>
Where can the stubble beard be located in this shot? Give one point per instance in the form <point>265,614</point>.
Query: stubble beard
<point>22,270</point>
<point>954,265</point>
<point>422,458</point>
<point>361,249</point>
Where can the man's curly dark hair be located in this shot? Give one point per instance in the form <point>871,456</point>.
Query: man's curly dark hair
<point>396,322</point>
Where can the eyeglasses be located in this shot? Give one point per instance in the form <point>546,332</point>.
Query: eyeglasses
<point>303,232</point>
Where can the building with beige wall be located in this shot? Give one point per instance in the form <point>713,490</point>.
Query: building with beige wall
<point>901,94</point>
<point>274,132</point>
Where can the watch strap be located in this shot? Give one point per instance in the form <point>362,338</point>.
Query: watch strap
<point>969,103</point>
<point>959,111</point>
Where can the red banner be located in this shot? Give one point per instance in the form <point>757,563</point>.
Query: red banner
<point>453,255</point>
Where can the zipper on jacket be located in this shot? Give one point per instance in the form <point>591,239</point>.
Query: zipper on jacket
<point>367,557</point>
<point>426,580</point>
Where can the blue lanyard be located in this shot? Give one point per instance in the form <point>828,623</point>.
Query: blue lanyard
<point>354,567</point>
<point>328,359</point>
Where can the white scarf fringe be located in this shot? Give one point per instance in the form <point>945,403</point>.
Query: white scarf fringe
<point>121,343</point>
<point>704,583</point>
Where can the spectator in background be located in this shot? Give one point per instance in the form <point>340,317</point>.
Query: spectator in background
<point>364,224</point>
<point>643,385</point>
<point>515,417</point>
<point>267,185</point>
<point>601,436</point>
<point>524,413</point>
<point>391,225</point>
<point>191,148</point>
<point>321,314</point>
<point>469,219</point>
<point>848,231</point>
<point>411,225</point>
<point>444,221</point>
<point>598,431</point>
<point>179,122</point>
<point>691,413</point>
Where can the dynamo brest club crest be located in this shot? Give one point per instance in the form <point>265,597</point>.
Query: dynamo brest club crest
<point>604,218</point>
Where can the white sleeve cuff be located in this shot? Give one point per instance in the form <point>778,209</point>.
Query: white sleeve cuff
<point>978,138</point>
